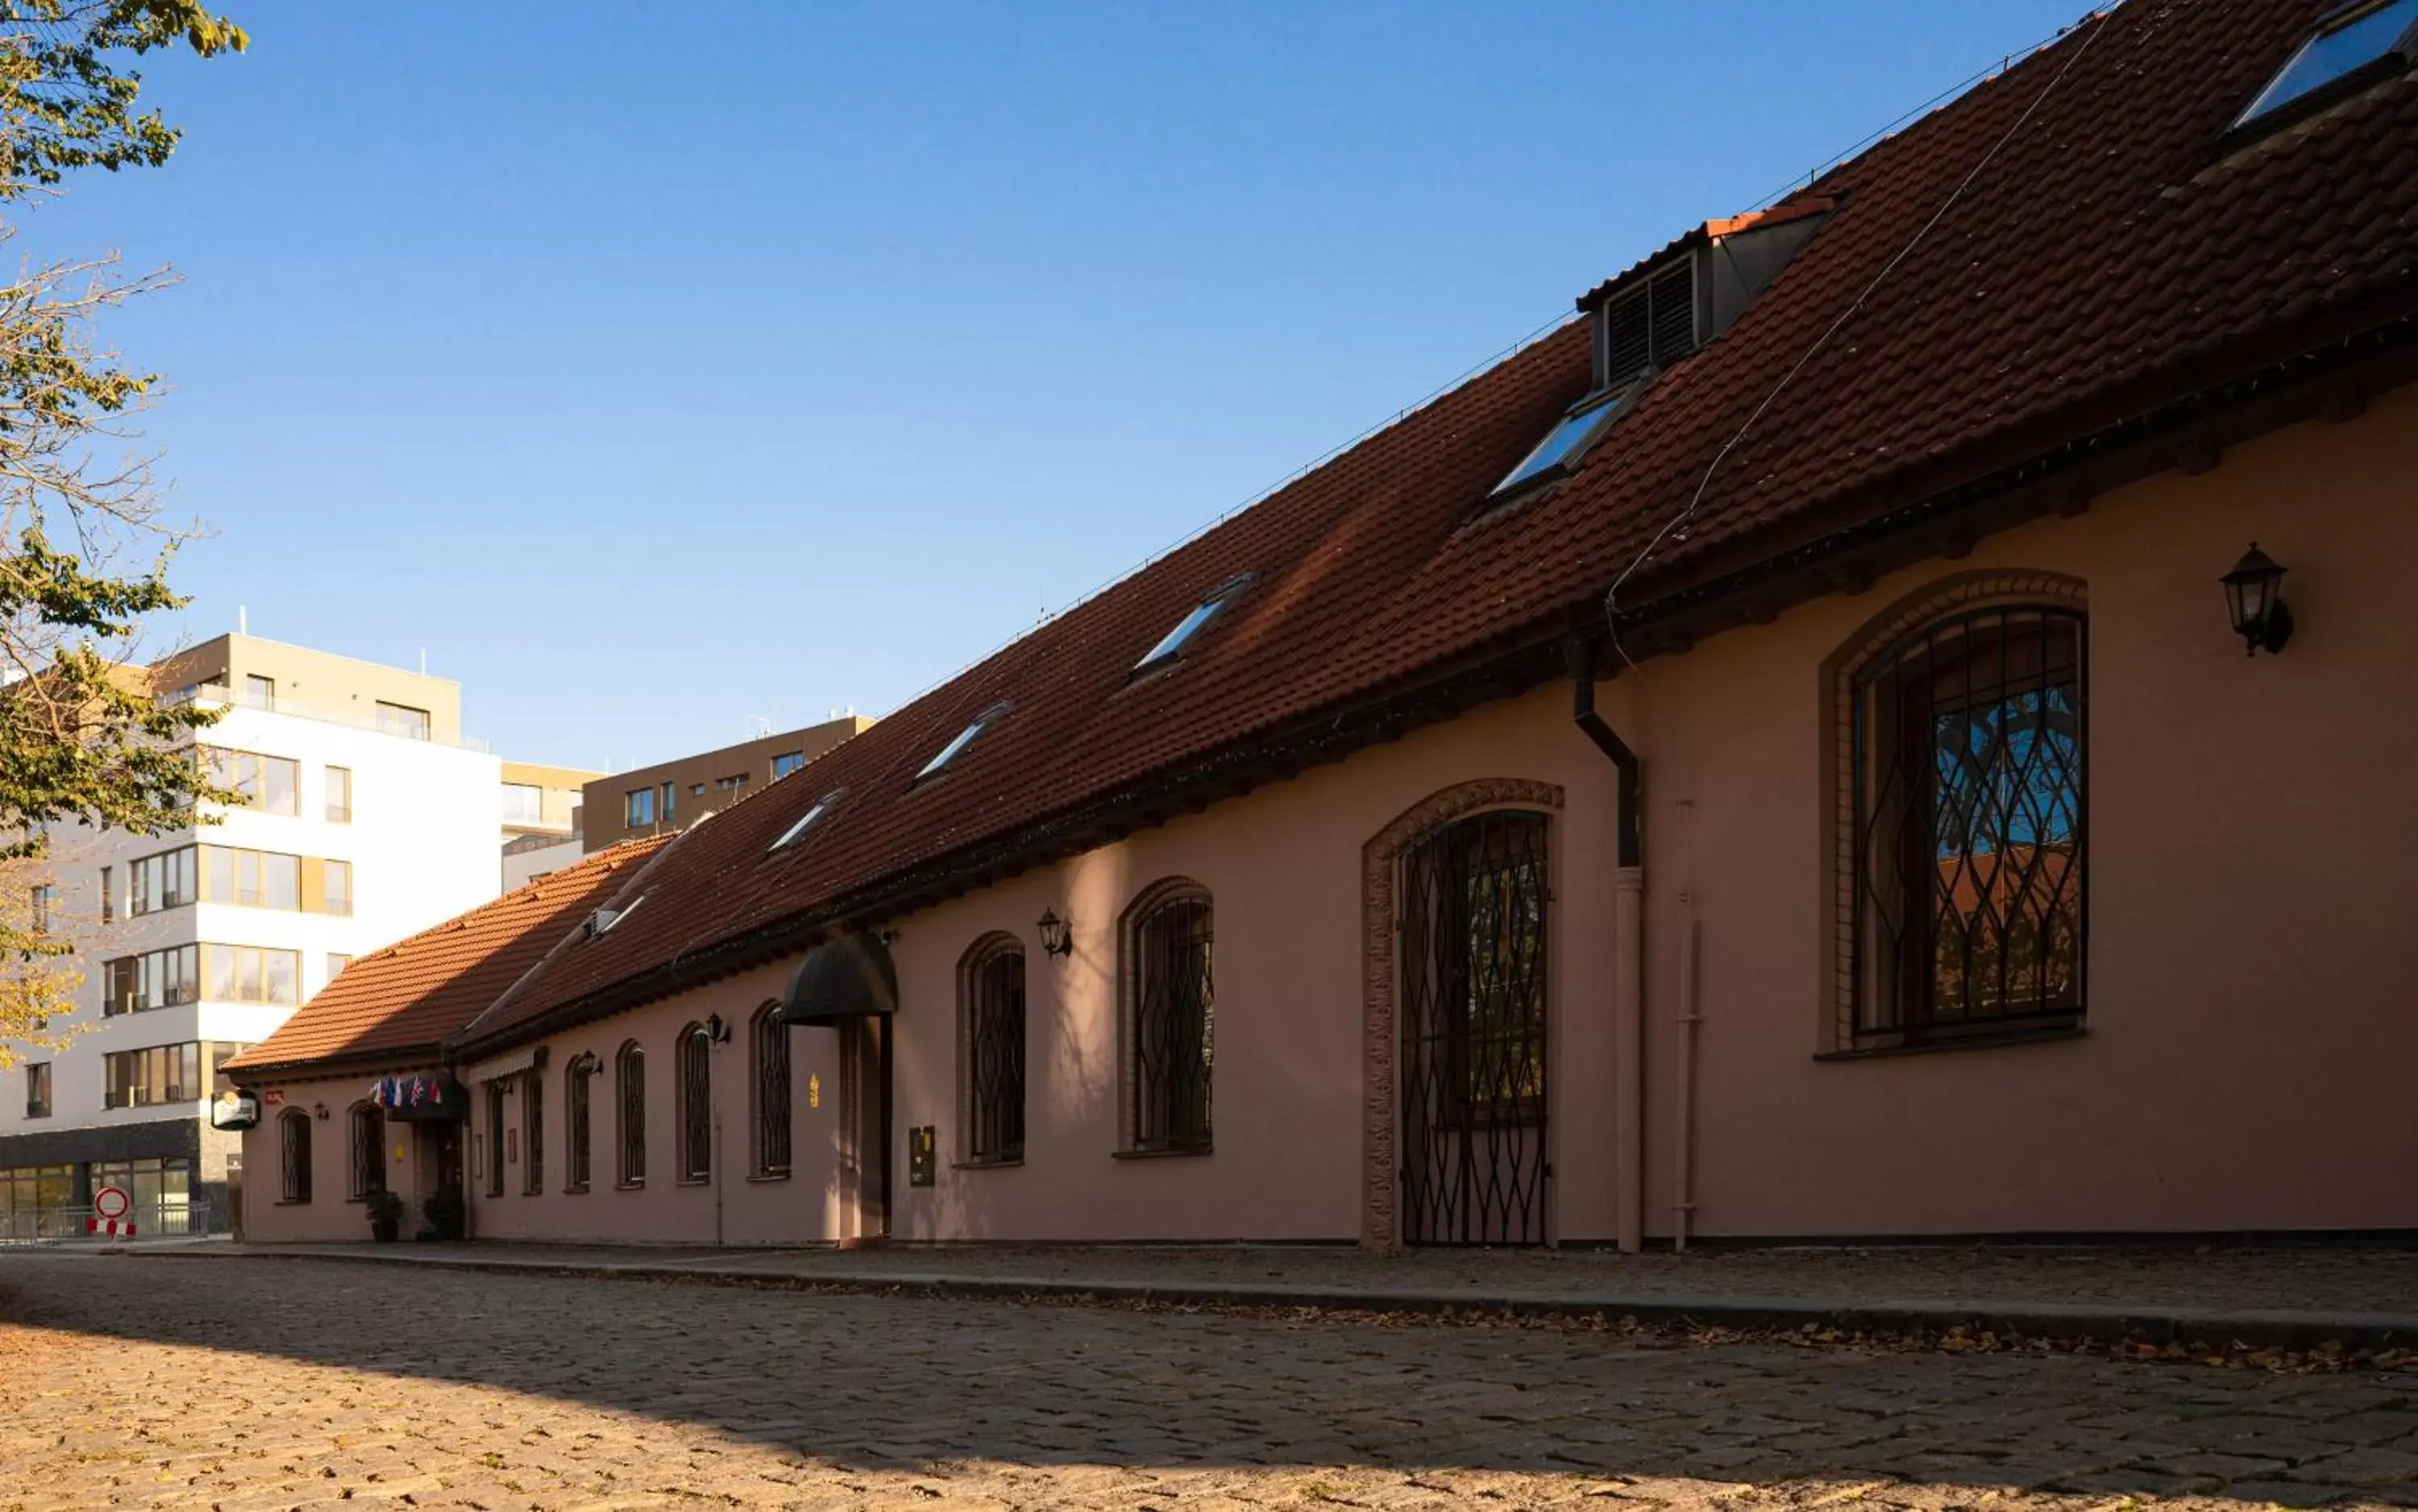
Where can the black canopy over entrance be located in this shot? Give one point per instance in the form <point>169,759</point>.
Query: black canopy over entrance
<point>848,977</point>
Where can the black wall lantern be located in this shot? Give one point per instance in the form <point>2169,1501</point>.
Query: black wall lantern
<point>1056,939</point>
<point>2254,596</point>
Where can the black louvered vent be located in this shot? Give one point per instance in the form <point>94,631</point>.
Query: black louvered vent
<point>1653,325</point>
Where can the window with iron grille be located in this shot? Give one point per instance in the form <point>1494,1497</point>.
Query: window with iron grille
<point>533,1133</point>
<point>695,1067</point>
<point>575,1121</point>
<point>992,1052</point>
<point>768,1041</point>
<point>369,1154</point>
<point>630,1071</point>
<point>1968,850</point>
<point>495,1138</point>
<point>294,1154</point>
<point>1171,1022</point>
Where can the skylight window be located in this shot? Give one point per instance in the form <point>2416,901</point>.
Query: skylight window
<point>965,737</point>
<point>2351,41</point>
<point>807,820</point>
<point>1170,646</point>
<point>1566,441</point>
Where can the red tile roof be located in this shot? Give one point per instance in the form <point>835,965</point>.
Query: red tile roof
<point>403,1000</point>
<point>2101,260</point>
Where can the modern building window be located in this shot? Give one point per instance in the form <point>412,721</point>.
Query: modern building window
<point>250,974</point>
<point>337,961</point>
<point>695,1067</point>
<point>369,1151</point>
<point>2354,43</point>
<point>668,800</point>
<point>271,784</point>
<point>1171,1019</point>
<point>768,1051</point>
<point>336,879</point>
<point>162,881</point>
<point>638,807</point>
<point>524,803</point>
<point>294,1154</point>
<point>630,1078</point>
<point>108,894</point>
<point>575,1147</point>
<point>787,762</point>
<point>404,720</point>
<point>29,1192</point>
<point>44,902</point>
<point>153,1077</point>
<point>495,1138</point>
<point>733,784</point>
<point>218,1053</point>
<point>991,1050</point>
<point>252,878</point>
<point>167,978</point>
<point>161,1188</point>
<point>697,789</point>
<point>259,691</point>
<point>38,1089</point>
<point>340,795</point>
<point>1968,750</point>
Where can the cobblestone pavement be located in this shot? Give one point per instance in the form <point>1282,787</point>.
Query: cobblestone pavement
<point>2339,1281</point>
<point>244,1383</point>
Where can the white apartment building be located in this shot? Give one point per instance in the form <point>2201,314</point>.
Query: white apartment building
<point>370,818</point>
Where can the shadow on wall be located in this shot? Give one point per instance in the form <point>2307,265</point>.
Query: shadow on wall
<point>892,1383</point>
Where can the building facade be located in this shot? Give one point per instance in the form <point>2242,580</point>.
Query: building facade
<point>543,819</point>
<point>1884,727</point>
<point>670,795</point>
<point>368,817</point>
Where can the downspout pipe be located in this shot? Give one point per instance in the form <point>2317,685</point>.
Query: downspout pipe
<point>1628,948</point>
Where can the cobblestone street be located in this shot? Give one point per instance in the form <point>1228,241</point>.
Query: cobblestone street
<point>242,1383</point>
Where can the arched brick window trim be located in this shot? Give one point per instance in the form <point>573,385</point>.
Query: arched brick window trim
<point>990,1050</point>
<point>1956,593</point>
<point>1164,926</point>
<point>1379,1039</point>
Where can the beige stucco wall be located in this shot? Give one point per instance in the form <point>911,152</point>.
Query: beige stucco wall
<point>330,1214</point>
<point>2249,1037</point>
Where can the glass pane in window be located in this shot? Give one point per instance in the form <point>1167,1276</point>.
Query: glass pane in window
<point>2343,47</point>
<point>279,780</point>
<point>281,879</point>
<point>339,876</point>
<point>1564,442</point>
<point>340,795</point>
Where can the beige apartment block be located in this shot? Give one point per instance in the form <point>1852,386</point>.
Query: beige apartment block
<point>671,795</point>
<point>253,673</point>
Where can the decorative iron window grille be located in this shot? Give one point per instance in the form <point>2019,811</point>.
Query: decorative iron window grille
<point>532,1133</point>
<point>495,1138</point>
<point>769,1042</point>
<point>574,1119</point>
<point>1174,1024</point>
<point>994,1056</point>
<point>1472,964</point>
<point>630,1067</point>
<point>1970,843</point>
<point>294,1154</point>
<point>369,1151</point>
<point>695,1105</point>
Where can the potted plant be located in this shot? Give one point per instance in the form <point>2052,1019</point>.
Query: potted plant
<point>446,1213</point>
<point>386,1215</point>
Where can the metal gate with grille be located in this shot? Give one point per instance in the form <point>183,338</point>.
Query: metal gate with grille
<point>1472,937</point>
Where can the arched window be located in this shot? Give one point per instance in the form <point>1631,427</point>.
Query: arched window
<point>496,1152</point>
<point>1170,1019</point>
<point>630,1072</point>
<point>990,1050</point>
<point>695,1068</point>
<point>1966,749</point>
<point>294,1154</point>
<point>532,1133</point>
<point>369,1151</point>
<point>768,1053</point>
<point>575,1121</point>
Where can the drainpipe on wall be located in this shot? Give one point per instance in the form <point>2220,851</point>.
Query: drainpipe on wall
<point>1629,946</point>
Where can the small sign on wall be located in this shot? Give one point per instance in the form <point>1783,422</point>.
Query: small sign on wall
<point>922,1155</point>
<point>814,1091</point>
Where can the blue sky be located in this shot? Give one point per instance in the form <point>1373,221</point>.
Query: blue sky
<point>653,377</point>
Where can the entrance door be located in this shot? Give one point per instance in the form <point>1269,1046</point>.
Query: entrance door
<point>1471,936</point>
<point>864,1121</point>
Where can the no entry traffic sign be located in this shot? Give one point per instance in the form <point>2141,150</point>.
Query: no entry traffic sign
<point>110,1206</point>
